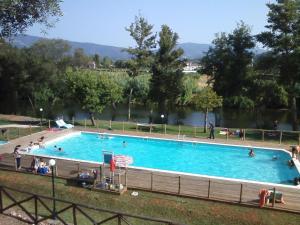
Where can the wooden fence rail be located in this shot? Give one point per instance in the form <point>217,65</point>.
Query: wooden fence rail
<point>73,208</point>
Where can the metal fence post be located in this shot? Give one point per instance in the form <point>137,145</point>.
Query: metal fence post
<point>244,134</point>
<point>241,193</point>
<point>263,135</point>
<point>165,129</point>
<point>49,126</point>
<point>110,124</point>
<point>119,219</point>
<point>151,181</point>
<point>7,136</point>
<point>74,214</point>
<point>35,209</point>
<point>1,201</point>
<point>208,192</point>
<point>274,194</point>
<point>280,138</point>
<point>179,185</point>
<point>73,120</point>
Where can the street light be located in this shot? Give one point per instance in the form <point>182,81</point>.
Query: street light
<point>162,116</point>
<point>41,110</point>
<point>52,163</point>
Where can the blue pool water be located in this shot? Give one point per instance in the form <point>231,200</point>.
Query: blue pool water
<point>3,142</point>
<point>195,158</point>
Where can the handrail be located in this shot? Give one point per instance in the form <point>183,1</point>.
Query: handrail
<point>2,187</point>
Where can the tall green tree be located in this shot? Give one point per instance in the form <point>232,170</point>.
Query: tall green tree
<point>166,81</point>
<point>96,59</point>
<point>16,16</point>
<point>283,38</point>
<point>229,61</point>
<point>141,32</point>
<point>92,91</point>
<point>142,57</point>
<point>206,100</point>
<point>80,59</point>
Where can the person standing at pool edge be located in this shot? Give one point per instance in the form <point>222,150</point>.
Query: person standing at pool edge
<point>212,131</point>
<point>17,157</point>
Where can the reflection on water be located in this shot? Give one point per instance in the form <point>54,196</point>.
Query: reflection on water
<point>188,116</point>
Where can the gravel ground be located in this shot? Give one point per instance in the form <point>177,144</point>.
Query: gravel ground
<point>7,220</point>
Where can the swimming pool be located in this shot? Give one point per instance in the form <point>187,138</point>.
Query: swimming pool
<point>187,157</point>
<point>3,142</point>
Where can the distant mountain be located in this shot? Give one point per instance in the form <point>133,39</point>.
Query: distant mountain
<point>194,50</point>
<point>112,52</point>
<point>191,50</point>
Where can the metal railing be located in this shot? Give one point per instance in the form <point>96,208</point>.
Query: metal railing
<point>73,208</point>
<point>182,131</point>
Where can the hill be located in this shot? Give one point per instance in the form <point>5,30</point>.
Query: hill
<point>192,51</point>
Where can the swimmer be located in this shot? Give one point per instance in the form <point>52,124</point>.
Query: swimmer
<point>274,157</point>
<point>60,149</point>
<point>124,144</point>
<point>291,163</point>
<point>251,153</point>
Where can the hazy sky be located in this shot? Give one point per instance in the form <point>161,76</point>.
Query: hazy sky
<point>104,21</point>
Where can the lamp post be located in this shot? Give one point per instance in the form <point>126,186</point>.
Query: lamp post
<point>41,110</point>
<point>52,163</point>
<point>162,116</point>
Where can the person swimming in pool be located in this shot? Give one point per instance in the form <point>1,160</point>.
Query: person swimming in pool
<point>251,153</point>
<point>124,144</point>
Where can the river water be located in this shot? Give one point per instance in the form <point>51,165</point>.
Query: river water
<point>188,116</point>
<point>231,118</point>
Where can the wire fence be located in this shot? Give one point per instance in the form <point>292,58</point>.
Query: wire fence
<point>182,131</point>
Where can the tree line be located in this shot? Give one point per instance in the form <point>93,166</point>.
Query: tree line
<point>47,72</point>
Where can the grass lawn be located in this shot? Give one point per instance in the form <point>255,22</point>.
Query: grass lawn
<point>177,209</point>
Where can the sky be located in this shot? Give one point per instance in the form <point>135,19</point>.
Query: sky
<point>197,21</point>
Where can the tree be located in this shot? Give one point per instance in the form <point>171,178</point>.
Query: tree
<point>107,62</point>
<point>96,59</point>
<point>93,91</point>
<point>206,100</point>
<point>166,80</point>
<point>142,57</point>
<point>16,16</point>
<point>53,50</point>
<point>141,31</point>
<point>229,62</point>
<point>80,59</point>
<point>283,38</point>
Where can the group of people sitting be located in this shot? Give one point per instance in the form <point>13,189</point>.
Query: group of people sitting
<point>34,145</point>
<point>39,166</point>
<point>239,133</point>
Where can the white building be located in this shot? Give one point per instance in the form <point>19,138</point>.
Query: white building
<point>191,67</point>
